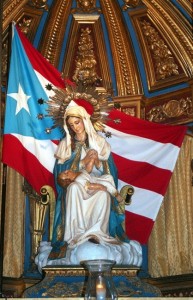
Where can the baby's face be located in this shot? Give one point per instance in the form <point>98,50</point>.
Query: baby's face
<point>68,174</point>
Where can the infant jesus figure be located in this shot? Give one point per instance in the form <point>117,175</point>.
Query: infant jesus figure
<point>90,182</point>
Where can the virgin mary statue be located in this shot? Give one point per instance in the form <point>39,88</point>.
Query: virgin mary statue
<point>88,222</point>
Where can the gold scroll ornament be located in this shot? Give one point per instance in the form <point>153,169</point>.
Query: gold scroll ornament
<point>127,192</point>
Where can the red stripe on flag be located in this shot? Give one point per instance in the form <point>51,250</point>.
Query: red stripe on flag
<point>138,227</point>
<point>40,64</point>
<point>158,132</point>
<point>142,175</point>
<point>38,176</point>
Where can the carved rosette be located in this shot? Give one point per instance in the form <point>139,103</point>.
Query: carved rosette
<point>86,6</point>
<point>130,4</point>
<point>39,4</point>
<point>25,24</point>
<point>173,109</point>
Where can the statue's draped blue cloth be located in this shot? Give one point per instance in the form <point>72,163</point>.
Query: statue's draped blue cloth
<point>116,219</point>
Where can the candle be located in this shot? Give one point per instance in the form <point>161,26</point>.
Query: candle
<point>100,291</point>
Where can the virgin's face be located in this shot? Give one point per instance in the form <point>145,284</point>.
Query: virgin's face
<point>76,124</point>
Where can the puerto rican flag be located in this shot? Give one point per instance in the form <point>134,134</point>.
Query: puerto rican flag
<point>145,153</point>
<point>27,148</point>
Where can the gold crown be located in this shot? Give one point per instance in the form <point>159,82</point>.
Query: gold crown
<point>101,103</point>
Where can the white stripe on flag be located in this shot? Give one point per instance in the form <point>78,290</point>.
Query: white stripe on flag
<point>43,150</point>
<point>144,202</point>
<point>143,150</point>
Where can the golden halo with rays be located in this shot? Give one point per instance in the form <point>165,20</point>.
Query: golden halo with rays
<point>101,103</point>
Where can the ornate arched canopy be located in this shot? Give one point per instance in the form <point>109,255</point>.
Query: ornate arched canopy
<point>141,51</point>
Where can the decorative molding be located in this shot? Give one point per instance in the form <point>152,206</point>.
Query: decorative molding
<point>86,6</point>
<point>86,64</point>
<point>130,105</point>
<point>27,18</point>
<point>76,270</point>
<point>92,24</point>
<point>130,4</point>
<point>39,4</point>
<point>28,21</point>
<point>4,60</point>
<point>173,286</point>
<point>25,24</point>
<point>172,108</point>
<point>52,40</point>
<point>70,281</point>
<point>187,5</point>
<point>163,66</point>
<point>176,30</point>
<point>127,76</point>
<point>10,9</point>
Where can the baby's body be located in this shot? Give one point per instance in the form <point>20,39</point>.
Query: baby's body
<point>92,183</point>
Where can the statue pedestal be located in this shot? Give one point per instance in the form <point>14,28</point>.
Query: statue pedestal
<point>70,281</point>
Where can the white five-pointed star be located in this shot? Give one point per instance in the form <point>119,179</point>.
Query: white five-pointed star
<point>21,99</point>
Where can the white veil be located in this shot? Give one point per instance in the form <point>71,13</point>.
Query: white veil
<point>96,141</point>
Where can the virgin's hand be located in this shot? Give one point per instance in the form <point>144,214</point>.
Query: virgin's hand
<point>91,154</point>
<point>97,163</point>
<point>96,187</point>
